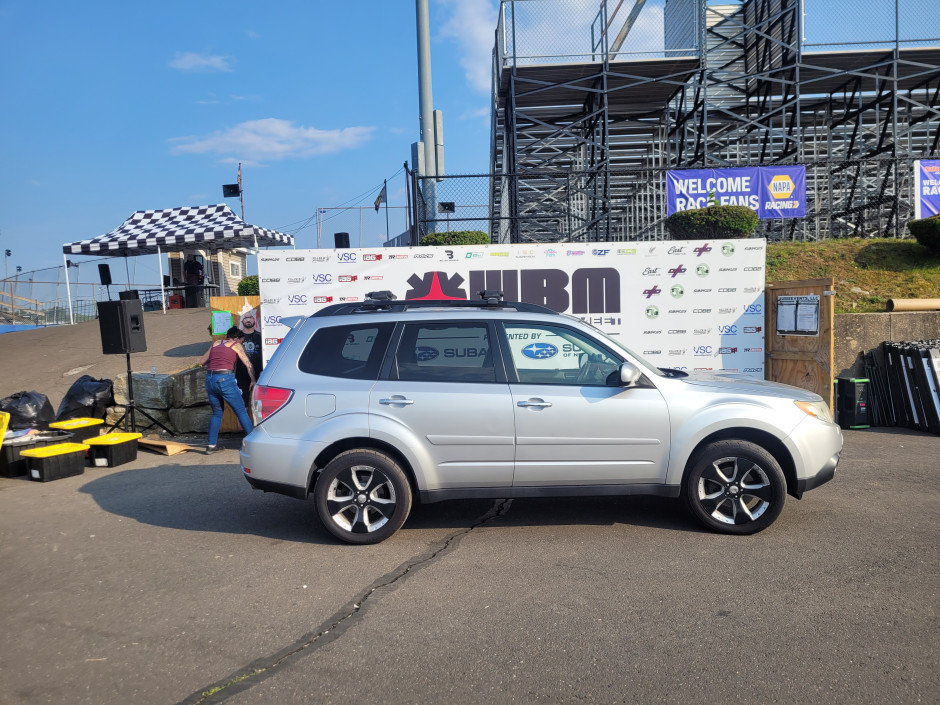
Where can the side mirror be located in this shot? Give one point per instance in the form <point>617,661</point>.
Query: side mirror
<point>629,374</point>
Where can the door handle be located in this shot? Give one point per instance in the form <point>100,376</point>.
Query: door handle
<point>401,400</point>
<point>536,404</point>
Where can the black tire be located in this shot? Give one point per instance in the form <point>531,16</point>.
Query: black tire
<point>362,497</point>
<point>735,487</point>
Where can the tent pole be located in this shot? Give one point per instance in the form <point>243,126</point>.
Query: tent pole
<point>68,289</point>
<point>162,291</point>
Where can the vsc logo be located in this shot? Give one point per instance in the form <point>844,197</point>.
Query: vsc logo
<point>702,350</point>
<point>753,310</point>
<point>539,351</point>
<point>322,278</point>
<point>346,257</point>
<point>728,330</point>
<point>272,320</point>
<point>296,299</point>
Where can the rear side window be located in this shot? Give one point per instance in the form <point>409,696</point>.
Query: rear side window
<point>450,352</point>
<point>353,352</point>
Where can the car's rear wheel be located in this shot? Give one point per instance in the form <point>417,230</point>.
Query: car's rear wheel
<point>362,496</point>
<point>735,487</point>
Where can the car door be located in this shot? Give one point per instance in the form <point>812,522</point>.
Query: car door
<point>443,393</point>
<point>572,427</point>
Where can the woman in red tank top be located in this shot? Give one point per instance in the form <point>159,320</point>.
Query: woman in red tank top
<point>221,386</point>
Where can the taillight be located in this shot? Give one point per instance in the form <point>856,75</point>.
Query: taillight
<point>267,400</point>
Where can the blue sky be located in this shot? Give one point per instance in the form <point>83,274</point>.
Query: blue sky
<point>112,107</point>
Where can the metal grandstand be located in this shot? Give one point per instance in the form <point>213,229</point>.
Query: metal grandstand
<point>593,100</point>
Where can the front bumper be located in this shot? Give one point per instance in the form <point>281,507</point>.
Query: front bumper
<point>826,473</point>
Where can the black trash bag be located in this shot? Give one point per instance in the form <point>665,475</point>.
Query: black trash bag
<point>28,410</point>
<point>87,398</point>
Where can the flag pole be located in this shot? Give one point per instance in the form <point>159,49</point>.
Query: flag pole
<point>241,193</point>
<point>385,191</point>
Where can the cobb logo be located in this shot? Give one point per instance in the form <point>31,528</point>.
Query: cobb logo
<point>753,369</point>
<point>651,292</point>
<point>539,351</point>
<point>347,257</point>
<point>295,259</point>
<point>676,271</point>
<point>702,250</point>
<point>371,258</point>
<point>423,255</point>
<point>781,186</point>
<point>346,278</point>
<point>322,299</point>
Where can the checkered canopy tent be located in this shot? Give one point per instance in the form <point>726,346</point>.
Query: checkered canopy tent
<point>195,227</point>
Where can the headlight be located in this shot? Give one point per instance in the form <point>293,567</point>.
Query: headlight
<point>819,409</point>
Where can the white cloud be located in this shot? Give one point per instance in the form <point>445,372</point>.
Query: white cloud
<point>272,139</point>
<point>191,61</point>
<point>472,24</point>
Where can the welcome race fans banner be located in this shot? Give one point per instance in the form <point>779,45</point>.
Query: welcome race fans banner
<point>927,180</point>
<point>772,191</point>
<point>681,304</point>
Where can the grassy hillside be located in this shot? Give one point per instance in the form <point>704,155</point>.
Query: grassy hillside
<point>864,273</point>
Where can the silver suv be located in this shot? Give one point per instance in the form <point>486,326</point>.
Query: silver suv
<point>373,406</point>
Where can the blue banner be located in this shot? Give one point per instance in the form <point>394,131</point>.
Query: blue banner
<point>771,191</point>
<point>928,188</point>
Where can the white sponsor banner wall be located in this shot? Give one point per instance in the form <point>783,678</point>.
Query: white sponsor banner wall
<point>691,305</point>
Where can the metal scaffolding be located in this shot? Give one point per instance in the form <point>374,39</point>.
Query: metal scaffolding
<point>593,101</point>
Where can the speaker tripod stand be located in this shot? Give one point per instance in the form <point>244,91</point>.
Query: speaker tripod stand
<point>129,416</point>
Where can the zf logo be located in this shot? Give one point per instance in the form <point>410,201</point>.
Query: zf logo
<point>322,299</point>
<point>297,299</point>
<point>600,253</point>
<point>728,330</point>
<point>346,257</point>
<point>654,291</point>
<point>371,258</point>
<point>344,278</point>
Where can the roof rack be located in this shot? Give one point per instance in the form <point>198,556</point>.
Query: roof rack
<point>385,302</point>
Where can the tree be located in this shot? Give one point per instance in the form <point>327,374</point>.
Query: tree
<point>712,223</point>
<point>458,237</point>
<point>927,232</point>
<point>249,286</point>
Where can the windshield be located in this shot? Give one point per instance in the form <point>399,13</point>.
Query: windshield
<point>645,364</point>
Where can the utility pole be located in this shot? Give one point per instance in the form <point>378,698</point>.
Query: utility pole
<point>426,104</point>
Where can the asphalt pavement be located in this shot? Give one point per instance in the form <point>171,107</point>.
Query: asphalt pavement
<point>168,580</point>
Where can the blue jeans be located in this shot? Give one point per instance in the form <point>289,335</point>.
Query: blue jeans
<point>219,388</point>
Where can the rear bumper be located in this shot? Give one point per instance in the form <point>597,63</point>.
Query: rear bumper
<point>278,487</point>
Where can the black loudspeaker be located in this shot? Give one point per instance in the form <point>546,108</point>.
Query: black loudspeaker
<point>104,274</point>
<point>129,294</point>
<point>852,402</point>
<point>342,239</point>
<point>122,327</point>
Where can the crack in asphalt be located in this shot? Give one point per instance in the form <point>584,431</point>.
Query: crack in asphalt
<point>336,626</point>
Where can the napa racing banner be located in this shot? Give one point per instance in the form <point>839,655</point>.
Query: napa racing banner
<point>927,185</point>
<point>771,191</point>
<point>680,304</point>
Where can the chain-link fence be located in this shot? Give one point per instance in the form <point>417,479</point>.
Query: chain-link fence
<point>852,198</point>
<point>869,24</point>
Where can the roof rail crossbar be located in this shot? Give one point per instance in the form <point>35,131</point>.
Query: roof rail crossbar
<point>488,299</point>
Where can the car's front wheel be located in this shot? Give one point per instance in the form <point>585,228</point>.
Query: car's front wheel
<point>362,496</point>
<point>735,487</point>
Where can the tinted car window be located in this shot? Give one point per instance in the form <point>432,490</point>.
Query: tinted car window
<point>543,354</point>
<point>354,352</point>
<point>450,352</point>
